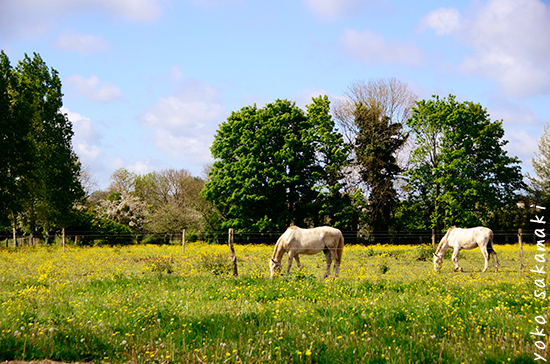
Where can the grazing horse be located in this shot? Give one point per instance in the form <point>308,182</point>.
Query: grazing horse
<point>459,239</point>
<point>298,241</point>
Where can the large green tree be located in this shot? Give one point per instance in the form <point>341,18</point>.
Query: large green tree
<point>276,166</point>
<point>376,146</point>
<point>335,205</point>
<point>460,170</point>
<point>372,117</point>
<point>173,199</point>
<point>14,145</point>
<point>40,183</point>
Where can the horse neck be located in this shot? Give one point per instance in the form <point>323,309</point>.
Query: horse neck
<point>278,252</point>
<point>442,247</point>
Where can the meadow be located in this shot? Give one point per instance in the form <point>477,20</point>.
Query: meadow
<point>151,304</point>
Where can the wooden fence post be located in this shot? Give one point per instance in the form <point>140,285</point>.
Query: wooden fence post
<point>521,266</point>
<point>433,239</point>
<point>232,251</point>
<point>63,238</point>
<point>183,242</point>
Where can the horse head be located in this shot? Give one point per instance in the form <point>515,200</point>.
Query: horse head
<point>274,266</point>
<point>438,262</point>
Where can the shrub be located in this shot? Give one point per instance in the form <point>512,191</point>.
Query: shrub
<point>156,240</point>
<point>216,264</point>
<point>423,253</point>
<point>370,252</point>
<point>161,264</point>
<point>384,267</point>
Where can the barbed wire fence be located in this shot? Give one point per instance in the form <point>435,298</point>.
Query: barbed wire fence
<point>243,238</point>
<point>232,239</point>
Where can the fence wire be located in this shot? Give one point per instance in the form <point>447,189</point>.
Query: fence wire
<point>414,237</point>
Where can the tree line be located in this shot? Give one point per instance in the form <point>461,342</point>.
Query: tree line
<point>39,177</point>
<point>377,161</point>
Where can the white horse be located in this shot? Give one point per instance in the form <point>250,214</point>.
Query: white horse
<point>459,239</point>
<point>298,241</point>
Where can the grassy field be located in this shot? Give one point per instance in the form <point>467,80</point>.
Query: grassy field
<point>150,304</point>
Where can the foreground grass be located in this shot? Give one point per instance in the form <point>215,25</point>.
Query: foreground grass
<point>151,304</point>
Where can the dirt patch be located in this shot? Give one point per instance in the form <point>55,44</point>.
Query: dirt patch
<point>37,362</point>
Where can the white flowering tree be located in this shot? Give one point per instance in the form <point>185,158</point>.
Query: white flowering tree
<point>541,165</point>
<point>126,209</point>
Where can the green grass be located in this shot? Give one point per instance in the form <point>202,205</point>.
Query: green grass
<point>149,304</point>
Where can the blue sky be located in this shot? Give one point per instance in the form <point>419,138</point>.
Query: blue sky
<point>147,82</point>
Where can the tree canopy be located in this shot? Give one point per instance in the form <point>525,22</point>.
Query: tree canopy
<point>460,170</point>
<point>376,145</point>
<point>276,166</point>
<point>40,171</point>
<point>392,97</point>
<point>372,115</point>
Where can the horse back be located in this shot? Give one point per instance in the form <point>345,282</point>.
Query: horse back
<point>311,241</point>
<point>471,238</point>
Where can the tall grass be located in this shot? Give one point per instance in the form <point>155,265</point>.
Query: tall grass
<point>149,304</point>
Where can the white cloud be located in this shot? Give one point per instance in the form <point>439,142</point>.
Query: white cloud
<point>335,9</point>
<point>94,89</point>
<point>175,73</point>
<point>375,49</point>
<point>137,10</point>
<point>303,97</point>
<point>114,163</point>
<point>34,18</point>
<point>522,145</point>
<point>87,138</point>
<point>522,126</point>
<point>248,99</point>
<point>142,167</point>
<point>217,3</point>
<point>82,126</point>
<point>184,124</point>
<point>513,115</point>
<point>509,39</point>
<point>443,20</point>
<point>85,44</point>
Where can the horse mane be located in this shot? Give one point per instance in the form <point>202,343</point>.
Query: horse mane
<point>279,251</point>
<point>443,241</point>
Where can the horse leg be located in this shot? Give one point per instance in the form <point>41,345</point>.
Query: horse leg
<point>494,254</point>
<point>486,256</point>
<point>329,262</point>
<point>455,260</point>
<point>334,253</point>
<point>291,257</point>
<point>298,264</point>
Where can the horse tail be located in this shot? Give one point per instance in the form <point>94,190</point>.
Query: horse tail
<point>490,249</point>
<point>340,247</point>
<point>490,242</point>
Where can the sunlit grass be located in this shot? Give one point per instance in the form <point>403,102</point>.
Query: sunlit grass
<point>153,304</point>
